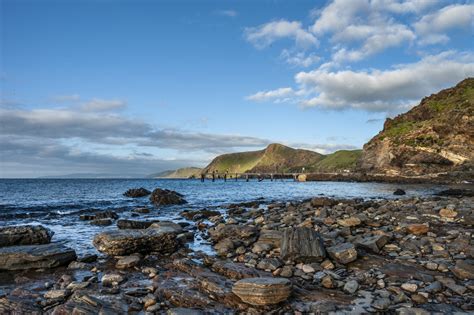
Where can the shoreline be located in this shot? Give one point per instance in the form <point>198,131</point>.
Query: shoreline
<point>407,252</point>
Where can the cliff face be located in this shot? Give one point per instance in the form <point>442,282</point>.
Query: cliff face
<point>435,136</point>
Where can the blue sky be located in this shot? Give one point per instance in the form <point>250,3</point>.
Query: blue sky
<point>135,87</point>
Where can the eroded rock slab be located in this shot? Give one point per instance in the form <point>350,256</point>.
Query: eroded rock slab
<point>35,256</point>
<point>262,291</point>
<point>126,242</point>
<point>163,197</point>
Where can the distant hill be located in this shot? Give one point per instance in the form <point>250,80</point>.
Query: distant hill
<point>185,172</point>
<point>279,158</point>
<point>435,136</point>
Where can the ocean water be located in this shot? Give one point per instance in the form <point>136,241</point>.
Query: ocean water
<point>58,203</point>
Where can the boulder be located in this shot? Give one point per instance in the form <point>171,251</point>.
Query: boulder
<point>272,237</point>
<point>132,224</point>
<point>137,192</point>
<point>128,262</point>
<point>343,253</point>
<point>399,192</point>
<point>163,197</point>
<point>262,291</point>
<point>25,235</point>
<point>35,256</point>
<point>302,245</point>
<point>126,242</point>
<point>169,225</point>
<point>200,214</point>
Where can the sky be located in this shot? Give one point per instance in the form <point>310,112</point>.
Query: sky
<point>135,87</point>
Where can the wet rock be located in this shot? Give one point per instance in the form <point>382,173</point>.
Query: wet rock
<point>418,229</point>
<point>451,284</point>
<point>134,225</point>
<point>107,214</point>
<point>200,214</point>
<point>328,282</point>
<point>163,197</point>
<point>399,192</point>
<point>464,269</point>
<point>101,222</point>
<point>112,279</point>
<point>137,192</point>
<point>184,311</point>
<point>343,253</point>
<point>128,262</point>
<point>35,256</point>
<point>349,222</point>
<point>177,228</point>
<point>24,235</point>
<point>262,291</point>
<point>126,242</point>
<point>286,272</point>
<point>142,210</point>
<point>302,245</point>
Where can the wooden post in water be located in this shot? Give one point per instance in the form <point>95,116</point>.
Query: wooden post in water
<point>247,177</point>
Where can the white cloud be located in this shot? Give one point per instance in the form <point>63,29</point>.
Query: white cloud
<point>392,90</point>
<point>273,95</point>
<point>299,59</point>
<point>99,105</point>
<point>432,26</point>
<point>265,34</point>
<point>385,90</point>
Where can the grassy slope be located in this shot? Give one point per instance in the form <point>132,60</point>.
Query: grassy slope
<point>280,158</point>
<point>339,160</point>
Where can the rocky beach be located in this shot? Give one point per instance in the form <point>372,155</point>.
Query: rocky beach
<point>408,255</point>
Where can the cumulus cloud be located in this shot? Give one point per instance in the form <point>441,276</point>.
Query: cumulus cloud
<point>390,90</point>
<point>385,90</point>
<point>299,59</point>
<point>431,27</point>
<point>265,34</point>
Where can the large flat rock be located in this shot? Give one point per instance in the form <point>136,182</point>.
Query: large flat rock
<point>262,291</point>
<point>35,256</point>
<point>24,235</point>
<point>126,242</point>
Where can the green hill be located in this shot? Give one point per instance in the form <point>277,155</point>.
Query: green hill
<point>279,158</point>
<point>186,172</point>
<point>338,161</point>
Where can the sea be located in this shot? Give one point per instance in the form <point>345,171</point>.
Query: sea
<point>58,203</point>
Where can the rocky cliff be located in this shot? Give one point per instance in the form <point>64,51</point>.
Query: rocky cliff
<point>434,137</point>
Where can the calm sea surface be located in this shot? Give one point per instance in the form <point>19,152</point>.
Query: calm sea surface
<point>58,203</point>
